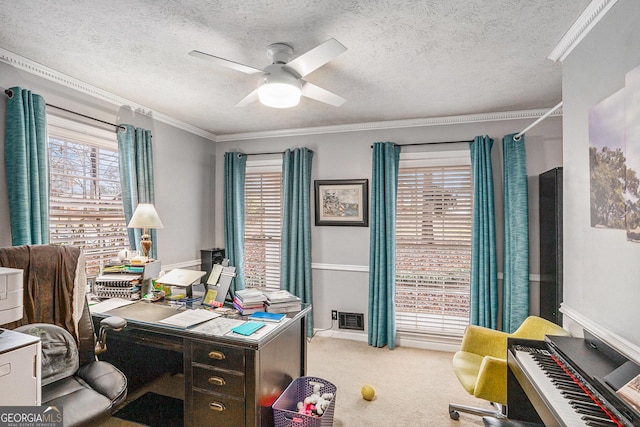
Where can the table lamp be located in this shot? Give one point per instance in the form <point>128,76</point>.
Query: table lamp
<point>145,217</point>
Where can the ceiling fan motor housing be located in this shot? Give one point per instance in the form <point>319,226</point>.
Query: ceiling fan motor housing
<point>279,53</point>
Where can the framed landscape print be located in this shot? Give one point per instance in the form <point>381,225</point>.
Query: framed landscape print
<point>342,202</point>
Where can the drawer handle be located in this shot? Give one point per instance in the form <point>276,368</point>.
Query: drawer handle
<point>217,381</point>
<point>216,406</point>
<point>216,355</point>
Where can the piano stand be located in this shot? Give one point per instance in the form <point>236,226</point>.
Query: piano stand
<point>503,422</point>
<point>454,411</point>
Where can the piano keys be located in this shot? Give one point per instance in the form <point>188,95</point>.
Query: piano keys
<point>561,382</point>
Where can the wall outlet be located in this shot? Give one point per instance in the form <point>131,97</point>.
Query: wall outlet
<point>334,314</point>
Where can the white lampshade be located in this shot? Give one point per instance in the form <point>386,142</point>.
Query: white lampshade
<point>279,89</point>
<point>145,216</point>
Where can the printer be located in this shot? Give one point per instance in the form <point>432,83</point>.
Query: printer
<point>10,295</point>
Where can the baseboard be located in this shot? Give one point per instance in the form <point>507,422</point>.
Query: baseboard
<point>449,345</point>
<point>333,333</point>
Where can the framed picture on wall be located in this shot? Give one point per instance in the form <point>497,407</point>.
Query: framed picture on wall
<point>342,202</point>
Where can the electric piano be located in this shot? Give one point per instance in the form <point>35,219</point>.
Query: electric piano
<point>568,381</point>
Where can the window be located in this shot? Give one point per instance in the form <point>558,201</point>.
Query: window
<point>263,224</point>
<point>433,244</point>
<point>85,207</point>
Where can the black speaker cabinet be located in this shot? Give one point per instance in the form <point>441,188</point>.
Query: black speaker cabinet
<point>550,188</point>
<point>208,257</point>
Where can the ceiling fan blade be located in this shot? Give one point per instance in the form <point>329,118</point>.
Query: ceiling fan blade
<point>252,97</point>
<point>315,92</point>
<point>225,62</point>
<point>315,58</point>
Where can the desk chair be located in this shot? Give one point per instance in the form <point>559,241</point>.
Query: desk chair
<point>481,363</point>
<point>87,390</point>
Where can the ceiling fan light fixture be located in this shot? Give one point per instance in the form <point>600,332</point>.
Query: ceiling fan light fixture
<point>279,95</point>
<point>279,89</point>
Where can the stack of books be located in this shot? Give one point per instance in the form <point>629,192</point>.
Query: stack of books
<point>248,301</point>
<point>282,302</point>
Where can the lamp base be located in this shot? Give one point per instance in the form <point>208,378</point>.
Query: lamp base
<point>145,245</point>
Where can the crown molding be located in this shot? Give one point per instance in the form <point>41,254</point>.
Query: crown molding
<point>65,80</point>
<point>583,25</point>
<point>35,68</point>
<point>391,124</point>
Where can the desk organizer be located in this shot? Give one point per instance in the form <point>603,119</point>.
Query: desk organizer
<point>285,411</point>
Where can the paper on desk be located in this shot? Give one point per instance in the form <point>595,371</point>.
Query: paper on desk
<point>109,304</point>
<point>187,318</point>
<point>218,327</point>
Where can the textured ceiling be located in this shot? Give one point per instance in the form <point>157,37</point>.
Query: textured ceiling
<point>406,58</point>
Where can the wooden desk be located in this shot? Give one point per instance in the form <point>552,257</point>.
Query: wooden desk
<point>230,380</point>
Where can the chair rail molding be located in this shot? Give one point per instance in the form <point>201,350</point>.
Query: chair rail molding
<point>340,267</point>
<point>183,264</point>
<point>578,319</point>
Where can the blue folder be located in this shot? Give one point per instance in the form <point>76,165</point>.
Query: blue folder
<point>266,316</point>
<point>248,328</point>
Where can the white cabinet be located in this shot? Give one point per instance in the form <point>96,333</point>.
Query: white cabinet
<point>10,295</point>
<point>19,369</point>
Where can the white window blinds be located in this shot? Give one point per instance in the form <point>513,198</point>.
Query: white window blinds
<point>433,248</point>
<point>85,207</point>
<point>263,218</point>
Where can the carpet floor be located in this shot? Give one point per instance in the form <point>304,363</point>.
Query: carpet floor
<point>413,387</point>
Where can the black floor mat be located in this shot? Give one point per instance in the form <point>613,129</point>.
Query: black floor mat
<point>154,410</point>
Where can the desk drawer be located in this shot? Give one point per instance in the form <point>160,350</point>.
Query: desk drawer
<point>223,382</point>
<point>216,410</point>
<point>218,356</point>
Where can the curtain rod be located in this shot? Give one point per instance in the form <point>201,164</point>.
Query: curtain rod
<point>432,143</point>
<point>261,154</point>
<point>9,93</point>
<point>264,154</point>
<point>541,118</point>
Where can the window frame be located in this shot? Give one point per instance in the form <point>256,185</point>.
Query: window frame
<point>271,269</point>
<point>88,135</point>
<point>456,157</point>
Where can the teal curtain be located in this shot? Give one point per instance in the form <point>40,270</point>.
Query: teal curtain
<point>235,166</point>
<point>295,259</point>
<point>382,252</point>
<point>27,167</point>
<point>484,270</point>
<point>515,307</point>
<point>135,151</point>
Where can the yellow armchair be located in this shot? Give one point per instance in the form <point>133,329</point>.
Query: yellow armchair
<point>481,363</point>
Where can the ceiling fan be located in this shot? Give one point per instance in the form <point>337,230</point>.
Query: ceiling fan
<point>281,84</point>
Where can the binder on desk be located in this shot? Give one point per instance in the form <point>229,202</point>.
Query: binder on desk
<point>126,286</point>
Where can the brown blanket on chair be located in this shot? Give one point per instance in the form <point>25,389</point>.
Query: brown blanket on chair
<point>48,276</point>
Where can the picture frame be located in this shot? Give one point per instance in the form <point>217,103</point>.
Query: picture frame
<point>342,202</point>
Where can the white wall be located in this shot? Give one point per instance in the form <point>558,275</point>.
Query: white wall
<point>340,255</point>
<point>183,167</point>
<point>601,269</point>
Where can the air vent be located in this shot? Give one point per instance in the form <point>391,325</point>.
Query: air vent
<point>351,321</point>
